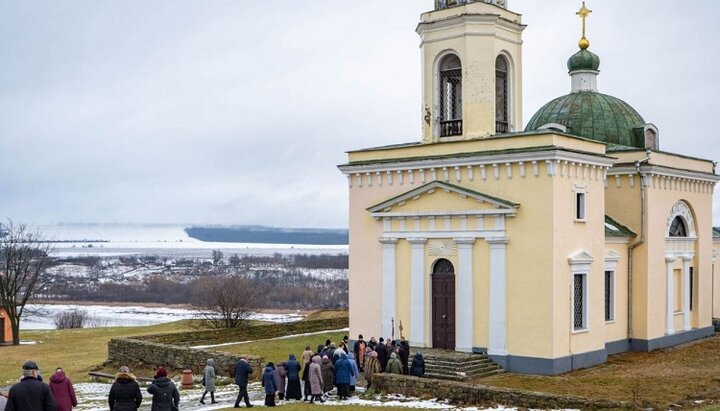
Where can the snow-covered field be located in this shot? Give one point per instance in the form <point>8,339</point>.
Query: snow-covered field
<point>93,397</point>
<point>126,316</point>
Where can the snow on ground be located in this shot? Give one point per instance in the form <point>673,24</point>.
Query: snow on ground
<point>284,337</point>
<point>93,397</point>
<point>127,316</point>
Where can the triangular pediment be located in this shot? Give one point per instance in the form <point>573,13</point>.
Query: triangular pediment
<point>438,197</point>
<point>581,258</point>
<point>612,256</point>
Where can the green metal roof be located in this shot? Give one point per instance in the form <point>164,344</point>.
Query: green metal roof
<point>615,229</point>
<point>583,60</point>
<point>595,116</point>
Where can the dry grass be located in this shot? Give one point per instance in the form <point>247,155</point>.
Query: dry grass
<point>76,351</point>
<point>678,375</point>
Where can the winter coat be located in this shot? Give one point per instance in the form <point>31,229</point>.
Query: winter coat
<point>343,370</point>
<point>356,372</point>
<point>372,366</point>
<point>372,344</point>
<point>418,365</point>
<point>242,373</point>
<point>210,375</point>
<point>293,368</point>
<point>344,346</point>
<point>331,354</point>
<point>165,396</point>
<point>268,380</point>
<point>315,376</point>
<point>280,375</point>
<point>382,356</point>
<point>63,391</point>
<point>328,374</point>
<point>404,354</point>
<point>306,357</point>
<point>393,365</point>
<point>30,395</point>
<point>125,393</point>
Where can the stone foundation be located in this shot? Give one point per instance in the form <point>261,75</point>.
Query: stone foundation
<point>460,393</point>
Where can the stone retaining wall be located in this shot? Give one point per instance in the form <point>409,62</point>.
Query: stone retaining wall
<point>465,393</point>
<point>135,351</point>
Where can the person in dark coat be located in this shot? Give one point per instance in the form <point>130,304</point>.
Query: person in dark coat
<point>331,352</point>
<point>418,365</point>
<point>359,351</point>
<point>243,370</point>
<point>293,391</point>
<point>404,354</point>
<point>307,392</point>
<point>344,344</point>
<point>268,381</point>
<point>328,374</point>
<point>125,392</point>
<point>382,354</point>
<point>30,394</point>
<point>394,366</point>
<point>165,395</point>
<point>63,391</point>
<point>343,372</point>
<point>209,381</point>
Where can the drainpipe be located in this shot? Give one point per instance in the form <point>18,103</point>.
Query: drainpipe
<point>638,243</point>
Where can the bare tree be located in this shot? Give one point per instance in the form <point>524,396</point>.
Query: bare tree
<point>24,257</point>
<point>225,301</point>
<point>71,319</point>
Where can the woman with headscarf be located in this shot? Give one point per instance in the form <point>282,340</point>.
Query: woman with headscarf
<point>268,381</point>
<point>315,378</point>
<point>372,367</point>
<point>355,373</point>
<point>293,391</point>
<point>209,381</point>
<point>394,366</point>
<point>280,376</point>
<point>328,374</point>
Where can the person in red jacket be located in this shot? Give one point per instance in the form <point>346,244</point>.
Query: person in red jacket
<point>63,391</point>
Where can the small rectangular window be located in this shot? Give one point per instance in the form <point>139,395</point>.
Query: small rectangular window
<point>580,206</point>
<point>609,295</point>
<point>691,288</point>
<point>579,309</point>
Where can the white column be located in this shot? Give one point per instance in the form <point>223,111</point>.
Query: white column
<point>686,292</point>
<point>388,286</point>
<point>417,292</point>
<point>670,302</point>
<point>497,344</point>
<point>465,303</point>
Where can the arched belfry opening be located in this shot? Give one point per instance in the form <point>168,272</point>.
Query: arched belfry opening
<point>502,95</point>
<point>443,304</point>
<point>678,228</point>
<point>450,92</point>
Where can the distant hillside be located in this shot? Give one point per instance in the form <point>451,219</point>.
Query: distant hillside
<point>269,235</point>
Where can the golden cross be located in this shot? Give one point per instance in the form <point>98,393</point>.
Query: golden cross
<point>583,13</point>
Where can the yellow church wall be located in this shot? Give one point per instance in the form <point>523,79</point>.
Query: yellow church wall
<point>676,161</point>
<point>616,329</point>
<point>716,278</point>
<point>571,237</point>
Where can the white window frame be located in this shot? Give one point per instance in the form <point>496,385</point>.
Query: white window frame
<point>580,265</point>
<point>611,263</point>
<point>580,214</point>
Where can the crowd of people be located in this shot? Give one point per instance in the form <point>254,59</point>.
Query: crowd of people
<point>311,378</point>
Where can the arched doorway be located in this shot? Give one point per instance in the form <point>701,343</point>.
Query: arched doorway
<point>443,305</point>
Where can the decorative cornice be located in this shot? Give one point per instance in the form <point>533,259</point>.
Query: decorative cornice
<point>655,170</point>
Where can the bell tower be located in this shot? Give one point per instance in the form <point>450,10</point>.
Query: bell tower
<point>471,70</point>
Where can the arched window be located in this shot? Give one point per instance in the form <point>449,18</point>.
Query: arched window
<point>450,96</point>
<point>678,228</point>
<point>502,118</point>
<point>443,266</point>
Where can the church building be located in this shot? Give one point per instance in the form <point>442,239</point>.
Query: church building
<point>547,247</point>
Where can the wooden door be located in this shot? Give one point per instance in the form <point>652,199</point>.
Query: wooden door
<point>2,330</point>
<point>443,305</point>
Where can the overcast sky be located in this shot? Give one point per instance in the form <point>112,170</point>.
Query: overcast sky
<point>237,112</point>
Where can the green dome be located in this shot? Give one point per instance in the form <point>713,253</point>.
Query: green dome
<point>583,60</point>
<point>595,116</point>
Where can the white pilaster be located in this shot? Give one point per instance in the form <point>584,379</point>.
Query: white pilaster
<point>670,300</point>
<point>686,292</point>
<point>465,304</point>
<point>417,292</point>
<point>497,344</point>
<point>389,285</point>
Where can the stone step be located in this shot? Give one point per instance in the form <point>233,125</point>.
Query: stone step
<point>466,370</point>
<point>459,364</point>
<point>445,376</point>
